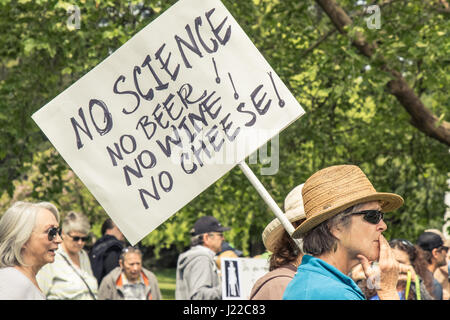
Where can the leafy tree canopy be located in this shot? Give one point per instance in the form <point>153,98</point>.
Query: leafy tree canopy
<point>350,115</point>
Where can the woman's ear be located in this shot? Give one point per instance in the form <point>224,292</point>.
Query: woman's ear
<point>336,231</point>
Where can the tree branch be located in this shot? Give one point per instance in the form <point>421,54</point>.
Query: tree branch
<point>317,43</point>
<point>445,7</point>
<point>421,117</point>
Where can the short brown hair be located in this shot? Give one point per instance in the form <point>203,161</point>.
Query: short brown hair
<point>320,240</point>
<point>285,250</point>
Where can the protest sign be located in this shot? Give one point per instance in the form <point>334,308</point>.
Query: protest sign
<point>239,275</point>
<point>167,114</point>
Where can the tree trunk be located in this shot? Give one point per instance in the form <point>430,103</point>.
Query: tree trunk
<point>421,117</point>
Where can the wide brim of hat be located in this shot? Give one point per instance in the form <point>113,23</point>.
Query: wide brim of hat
<point>389,202</point>
<point>274,230</point>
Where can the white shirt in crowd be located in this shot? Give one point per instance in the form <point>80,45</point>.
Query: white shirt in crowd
<point>59,281</point>
<point>14,285</point>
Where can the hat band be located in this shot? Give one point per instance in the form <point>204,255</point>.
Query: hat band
<point>332,199</point>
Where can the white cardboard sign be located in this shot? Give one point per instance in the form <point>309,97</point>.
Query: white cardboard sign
<point>167,114</point>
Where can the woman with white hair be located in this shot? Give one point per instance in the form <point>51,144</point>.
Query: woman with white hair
<point>70,276</point>
<point>29,237</point>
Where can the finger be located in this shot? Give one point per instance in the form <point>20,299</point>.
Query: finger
<point>402,277</point>
<point>413,274</point>
<point>386,257</point>
<point>384,247</point>
<point>358,272</point>
<point>405,268</point>
<point>365,265</point>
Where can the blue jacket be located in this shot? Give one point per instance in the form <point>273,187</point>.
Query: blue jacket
<point>317,280</point>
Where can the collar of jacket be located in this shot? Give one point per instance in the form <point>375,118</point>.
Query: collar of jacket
<point>119,281</point>
<point>319,266</point>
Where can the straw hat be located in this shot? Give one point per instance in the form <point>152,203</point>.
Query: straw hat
<point>293,206</point>
<point>334,189</point>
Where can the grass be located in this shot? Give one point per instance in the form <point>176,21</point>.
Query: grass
<point>166,281</point>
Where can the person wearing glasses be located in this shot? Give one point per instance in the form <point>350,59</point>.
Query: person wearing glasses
<point>130,281</point>
<point>70,277</point>
<point>435,253</point>
<point>197,275</point>
<point>29,238</point>
<point>441,274</point>
<point>343,227</point>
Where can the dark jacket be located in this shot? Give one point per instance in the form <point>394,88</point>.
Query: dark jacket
<point>104,256</point>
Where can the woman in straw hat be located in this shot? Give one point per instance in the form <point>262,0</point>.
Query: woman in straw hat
<point>343,227</point>
<point>286,255</point>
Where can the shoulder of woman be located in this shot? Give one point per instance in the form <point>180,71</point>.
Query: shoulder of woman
<point>14,285</point>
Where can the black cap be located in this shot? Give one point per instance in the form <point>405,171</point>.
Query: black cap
<point>207,224</point>
<point>429,241</point>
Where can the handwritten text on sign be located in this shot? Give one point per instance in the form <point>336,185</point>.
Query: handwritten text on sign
<point>167,114</point>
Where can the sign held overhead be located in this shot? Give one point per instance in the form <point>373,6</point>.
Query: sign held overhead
<point>167,114</point>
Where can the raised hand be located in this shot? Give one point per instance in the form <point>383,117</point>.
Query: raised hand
<point>388,271</point>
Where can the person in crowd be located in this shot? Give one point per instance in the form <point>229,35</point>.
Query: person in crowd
<point>105,252</point>
<point>343,227</point>
<point>436,256</point>
<point>226,246</point>
<point>407,254</point>
<point>130,281</point>
<point>196,275</point>
<point>227,251</point>
<point>441,274</point>
<point>29,238</point>
<point>286,255</point>
<point>70,277</point>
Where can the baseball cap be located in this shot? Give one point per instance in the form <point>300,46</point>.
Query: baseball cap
<point>444,238</point>
<point>207,224</point>
<point>429,241</point>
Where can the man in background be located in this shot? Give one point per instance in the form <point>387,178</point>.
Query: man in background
<point>441,274</point>
<point>197,277</point>
<point>435,253</point>
<point>105,253</point>
<point>130,281</point>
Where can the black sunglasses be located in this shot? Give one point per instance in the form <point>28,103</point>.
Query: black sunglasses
<point>404,242</point>
<point>443,248</point>
<point>76,238</point>
<point>52,232</point>
<point>371,216</point>
<point>131,250</point>
<point>220,234</point>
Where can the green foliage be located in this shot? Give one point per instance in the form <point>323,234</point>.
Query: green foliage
<point>166,282</point>
<point>350,118</point>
